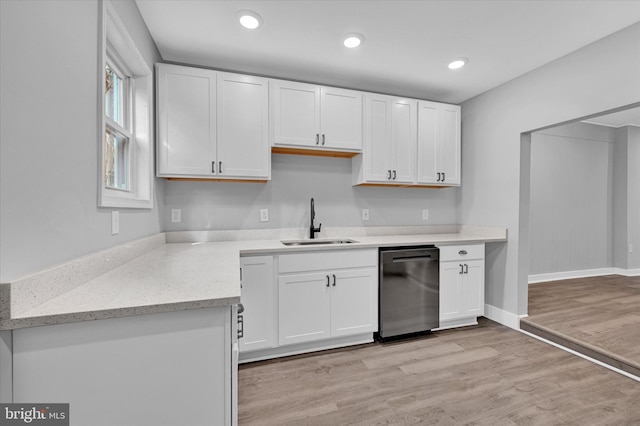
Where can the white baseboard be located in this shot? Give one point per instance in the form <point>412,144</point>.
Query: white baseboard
<point>627,272</point>
<point>540,278</point>
<point>502,317</point>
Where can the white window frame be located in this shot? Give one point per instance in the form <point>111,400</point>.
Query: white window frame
<point>117,47</point>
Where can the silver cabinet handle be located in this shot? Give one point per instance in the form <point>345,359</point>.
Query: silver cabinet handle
<point>394,175</point>
<point>323,139</point>
<point>334,279</point>
<point>327,280</point>
<point>389,176</point>
<point>461,269</point>
<point>317,138</point>
<point>444,176</point>
<point>220,167</point>
<point>466,268</point>
<point>240,321</point>
<point>462,252</point>
<point>213,167</point>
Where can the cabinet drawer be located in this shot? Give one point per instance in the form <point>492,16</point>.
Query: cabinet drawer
<point>322,260</point>
<point>461,252</point>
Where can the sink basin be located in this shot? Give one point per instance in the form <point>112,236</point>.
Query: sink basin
<point>316,242</point>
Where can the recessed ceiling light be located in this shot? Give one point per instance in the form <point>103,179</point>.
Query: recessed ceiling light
<point>249,19</point>
<point>458,63</point>
<point>353,40</point>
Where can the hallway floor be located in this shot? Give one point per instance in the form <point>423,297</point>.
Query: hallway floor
<point>597,316</point>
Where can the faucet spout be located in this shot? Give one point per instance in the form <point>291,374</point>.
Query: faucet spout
<point>312,228</point>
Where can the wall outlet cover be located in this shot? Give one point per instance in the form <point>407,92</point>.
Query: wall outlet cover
<point>264,215</point>
<point>365,214</point>
<point>425,214</point>
<point>176,215</point>
<point>115,222</point>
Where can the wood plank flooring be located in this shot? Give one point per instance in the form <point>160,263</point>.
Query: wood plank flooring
<point>482,375</point>
<point>597,316</point>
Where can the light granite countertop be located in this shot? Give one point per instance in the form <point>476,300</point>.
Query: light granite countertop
<point>183,270</point>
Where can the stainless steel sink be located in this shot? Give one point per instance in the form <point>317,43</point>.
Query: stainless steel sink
<point>316,242</point>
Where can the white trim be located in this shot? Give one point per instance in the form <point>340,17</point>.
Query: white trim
<point>141,178</point>
<point>305,347</point>
<point>501,316</point>
<point>571,351</point>
<point>627,272</point>
<point>554,276</point>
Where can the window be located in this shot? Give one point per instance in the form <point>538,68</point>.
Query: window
<point>117,132</point>
<point>125,134</point>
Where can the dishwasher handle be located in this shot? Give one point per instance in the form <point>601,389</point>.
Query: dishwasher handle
<point>412,258</point>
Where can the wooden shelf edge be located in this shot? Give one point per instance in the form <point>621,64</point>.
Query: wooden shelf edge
<point>312,152</point>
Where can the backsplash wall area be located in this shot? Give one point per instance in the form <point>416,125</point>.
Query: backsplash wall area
<point>295,179</point>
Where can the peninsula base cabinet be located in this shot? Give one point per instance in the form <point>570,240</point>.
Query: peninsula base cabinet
<point>461,285</point>
<point>259,317</point>
<point>175,368</point>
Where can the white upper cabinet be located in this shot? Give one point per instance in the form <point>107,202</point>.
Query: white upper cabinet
<point>390,141</point>
<point>438,144</point>
<point>212,124</point>
<point>186,120</point>
<point>313,117</point>
<point>243,126</point>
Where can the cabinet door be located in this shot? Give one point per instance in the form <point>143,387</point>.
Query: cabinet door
<point>186,121</point>
<point>449,144</point>
<point>243,126</point>
<point>438,143</point>
<point>450,290</point>
<point>295,113</point>
<point>378,151</point>
<point>428,119</point>
<point>257,297</point>
<point>354,302</point>
<point>472,289</point>
<point>341,119</point>
<point>404,139</point>
<point>304,308</point>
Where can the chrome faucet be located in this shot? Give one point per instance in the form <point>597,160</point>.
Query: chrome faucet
<point>312,228</point>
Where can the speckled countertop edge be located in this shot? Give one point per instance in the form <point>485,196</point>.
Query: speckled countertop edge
<point>224,290</point>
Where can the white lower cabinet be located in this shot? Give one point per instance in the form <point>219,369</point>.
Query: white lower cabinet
<point>259,318</point>
<point>461,284</point>
<point>326,304</point>
<point>325,295</point>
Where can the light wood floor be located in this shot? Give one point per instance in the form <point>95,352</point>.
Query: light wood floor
<point>598,316</point>
<point>483,375</point>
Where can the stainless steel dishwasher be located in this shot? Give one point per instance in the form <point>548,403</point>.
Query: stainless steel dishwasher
<point>409,298</point>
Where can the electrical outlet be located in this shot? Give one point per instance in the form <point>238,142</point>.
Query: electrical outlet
<point>425,214</point>
<point>365,214</point>
<point>630,248</point>
<point>264,215</point>
<point>115,222</point>
<point>176,215</point>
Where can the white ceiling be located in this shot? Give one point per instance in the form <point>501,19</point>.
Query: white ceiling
<point>407,47</point>
<point>618,119</point>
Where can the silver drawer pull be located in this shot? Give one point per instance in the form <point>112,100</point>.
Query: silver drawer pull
<point>462,252</point>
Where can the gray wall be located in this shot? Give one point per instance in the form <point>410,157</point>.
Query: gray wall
<point>626,198</point>
<point>48,133</point>
<point>295,179</point>
<point>596,78</point>
<point>571,198</point>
